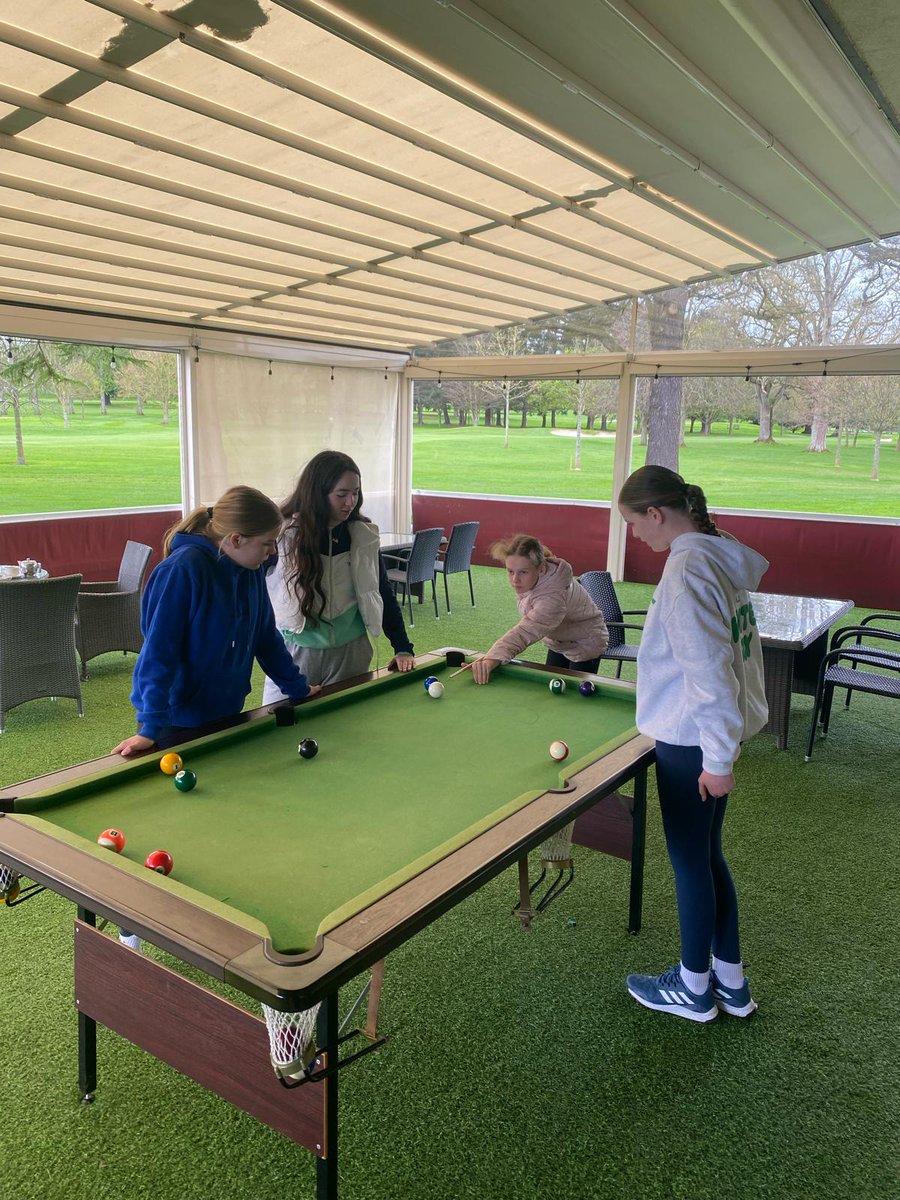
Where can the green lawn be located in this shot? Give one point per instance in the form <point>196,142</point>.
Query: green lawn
<point>117,461</point>
<point>123,460</point>
<point>735,472</point>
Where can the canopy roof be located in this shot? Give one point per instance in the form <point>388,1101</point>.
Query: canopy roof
<point>392,173</point>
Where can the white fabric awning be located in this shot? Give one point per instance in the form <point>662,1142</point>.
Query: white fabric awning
<point>392,173</point>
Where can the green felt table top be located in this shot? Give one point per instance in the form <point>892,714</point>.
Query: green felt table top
<point>400,780</point>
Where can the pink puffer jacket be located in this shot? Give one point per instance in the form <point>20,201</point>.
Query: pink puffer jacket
<point>558,612</point>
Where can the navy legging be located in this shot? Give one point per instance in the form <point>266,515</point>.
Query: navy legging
<point>707,901</point>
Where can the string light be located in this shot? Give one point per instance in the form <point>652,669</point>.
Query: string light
<point>440,381</point>
<point>825,370</point>
<point>656,376</point>
<point>747,376</point>
<point>196,352</point>
<point>385,374</point>
<point>9,352</point>
<point>112,357</point>
<point>332,374</point>
<point>270,366</point>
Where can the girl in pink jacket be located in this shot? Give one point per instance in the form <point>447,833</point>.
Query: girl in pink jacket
<point>554,608</point>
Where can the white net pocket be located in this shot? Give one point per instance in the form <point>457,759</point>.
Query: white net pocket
<point>9,880</point>
<point>292,1040</point>
<point>557,850</point>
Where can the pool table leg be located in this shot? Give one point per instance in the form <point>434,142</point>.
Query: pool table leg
<point>87,1038</point>
<point>638,830</point>
<point>327,1037</point>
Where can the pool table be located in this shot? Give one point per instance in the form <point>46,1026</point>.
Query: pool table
<point>293,875</point>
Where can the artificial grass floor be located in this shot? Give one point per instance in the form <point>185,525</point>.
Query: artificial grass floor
<point>517,1066</point>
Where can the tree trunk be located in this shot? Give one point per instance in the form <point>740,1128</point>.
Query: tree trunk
<point>139,405</point>
<point>876,453</point>
<point>766,409</point>
<point>552,418</point>
<point>665,428</point>
<point>544,419</point>
<point>837,449</point>
<point>20,444</point>
<point>818,430</point>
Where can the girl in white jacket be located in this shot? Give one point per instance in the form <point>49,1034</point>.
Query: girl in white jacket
<point>329,589</point>
<point>700,693</point>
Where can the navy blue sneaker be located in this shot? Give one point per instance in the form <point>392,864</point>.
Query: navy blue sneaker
<point>668,993</point>
<point>737,1002</point>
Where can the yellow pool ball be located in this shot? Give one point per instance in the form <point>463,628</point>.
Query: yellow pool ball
<point>170,764</point>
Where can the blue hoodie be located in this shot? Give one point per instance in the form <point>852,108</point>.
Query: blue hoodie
<point>204,620</point>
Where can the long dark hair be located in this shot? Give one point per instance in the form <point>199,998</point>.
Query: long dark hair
<point>658,487</point>
<point>308,514</point>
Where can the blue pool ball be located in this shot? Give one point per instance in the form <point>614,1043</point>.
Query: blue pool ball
<point>587,688</point>
<point>308,748</point>
<point>429,680</point>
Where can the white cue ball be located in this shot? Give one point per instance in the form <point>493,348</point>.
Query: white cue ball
<point>558,750</point>
<point>436,689</point>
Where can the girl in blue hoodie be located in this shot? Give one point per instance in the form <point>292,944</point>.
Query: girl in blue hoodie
<point>700,693</point>
<point>205,616</point>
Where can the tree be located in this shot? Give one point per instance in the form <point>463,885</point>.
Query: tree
<point>880,408</point>
<point>30,370</point>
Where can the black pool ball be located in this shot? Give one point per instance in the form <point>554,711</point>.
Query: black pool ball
<point>587,688</point>
<point>308,748</point>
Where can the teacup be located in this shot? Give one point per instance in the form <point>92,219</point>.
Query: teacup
<point>28,567</point>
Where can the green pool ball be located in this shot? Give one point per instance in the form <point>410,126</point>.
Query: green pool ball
<point>185,781</point>
<point>557,686</point>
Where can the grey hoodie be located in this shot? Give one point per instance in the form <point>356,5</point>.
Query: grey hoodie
<point>700,669</point>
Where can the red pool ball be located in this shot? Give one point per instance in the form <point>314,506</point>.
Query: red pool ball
<point>159,860</point>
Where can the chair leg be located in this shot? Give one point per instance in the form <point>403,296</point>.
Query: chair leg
<point>471,589</point>
<point>437,615</point>
<point>407,596</point>
<point>619,669</point>
<point>446,593</point>
<point>827,697</point>
<point>815,721</point>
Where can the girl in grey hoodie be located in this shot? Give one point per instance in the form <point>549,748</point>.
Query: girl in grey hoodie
<point>700,693</point>
<point>553,607</point>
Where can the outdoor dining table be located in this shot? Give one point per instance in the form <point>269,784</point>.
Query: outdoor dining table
<point>794,635</point>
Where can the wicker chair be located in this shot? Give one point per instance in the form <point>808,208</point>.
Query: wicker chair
<point>37,641</point>
<point>109,614</point>
<point>599,586</point>
<point>456,556</point>
<point>857,666</point>
<point>416,567</point>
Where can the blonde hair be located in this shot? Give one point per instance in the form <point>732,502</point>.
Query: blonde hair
<point>658,487</point>
<point>522,545</point>
<point>241,509</point>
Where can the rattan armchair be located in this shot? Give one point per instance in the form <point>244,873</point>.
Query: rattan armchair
<point>858,666</point>
<point>109,613</point>
<point>37,641</point>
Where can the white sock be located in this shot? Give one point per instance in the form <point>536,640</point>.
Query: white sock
<point>695,981</point>
<point>731,974</point>
<point>132,940</point>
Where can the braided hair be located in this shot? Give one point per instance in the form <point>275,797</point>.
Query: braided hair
<point>658,487</point>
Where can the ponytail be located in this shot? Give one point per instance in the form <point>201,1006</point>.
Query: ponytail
<point>241,509</point>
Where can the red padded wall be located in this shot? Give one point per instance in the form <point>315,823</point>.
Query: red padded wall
<point>577,533</point>
<point>843,560</point>
<point>89,545</point>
